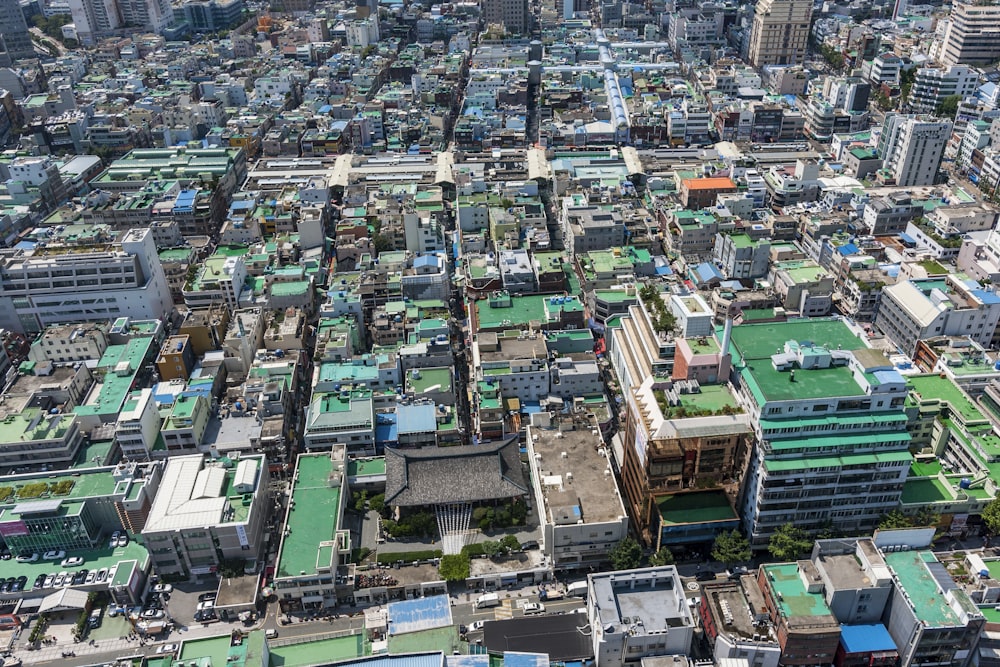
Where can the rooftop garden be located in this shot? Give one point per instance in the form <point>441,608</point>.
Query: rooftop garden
<point>663,320</point>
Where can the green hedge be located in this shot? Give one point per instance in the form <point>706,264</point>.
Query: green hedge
<point>473,550</point>
<point>408,556</point>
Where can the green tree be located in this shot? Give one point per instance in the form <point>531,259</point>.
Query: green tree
<point>491,548</point>
<point>948,106</point>
<point>663,556</point>
<point>377,503</point>
<point>906,79</point>
<point>894,519</point>
<point>789,543</point>
<point>511,543</point>
<point>991,517</point>
<point>626,555</point>
<point>730,548</point>
<point>359,502</point>
<point>833,57</point>
<point>926,516</point>
<point>454,568</point>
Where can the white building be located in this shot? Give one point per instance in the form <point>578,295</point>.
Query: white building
<point>932,85</point>
<point>51,286</point>
<point>636,614</point>
<point>916,309</point>
<point>138,426</point>
<point>94,19</point>
<point>694,316</point>
<point>912,147</point>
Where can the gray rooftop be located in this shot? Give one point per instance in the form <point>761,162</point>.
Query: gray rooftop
<point>652,599</point>
<point>430,476</point>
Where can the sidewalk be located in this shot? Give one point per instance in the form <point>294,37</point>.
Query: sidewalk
<point>119,646</point>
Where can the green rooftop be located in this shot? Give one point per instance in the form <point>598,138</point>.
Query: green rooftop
<point>423,380</point>
<point>713,399</point>
<point>753,345</point>
<point>367,466</point>
<point>925,490</point>
<point>313,515</point>
<point>792,596</point>
<point>934,387</point>
<point>925,595</point>
<point>324,651</point>
<point>696,507</point>
<point>117,368</point>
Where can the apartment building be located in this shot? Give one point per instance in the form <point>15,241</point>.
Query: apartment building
<point>54,286</point>
<point>830,440</point>
<point>70,342</point>
<point>138,427</point>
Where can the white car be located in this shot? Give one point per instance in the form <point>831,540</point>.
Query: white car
<point>206,605</point>
<point>162,588</point>
<point>50,580</point>
<point>72,561</point>
<point>534,608</point>
<point>166,648</point>
<point>54,555</point>
<point>113,542</point>
<point>27,558</point>
<point>60,578</point>
<point>476,625</point>
<point>695,601</point>
<point>91,577</point>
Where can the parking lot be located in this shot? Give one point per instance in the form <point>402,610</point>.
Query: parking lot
<point>182,602</point>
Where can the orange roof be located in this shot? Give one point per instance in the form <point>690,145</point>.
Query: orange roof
<point>715,183</point>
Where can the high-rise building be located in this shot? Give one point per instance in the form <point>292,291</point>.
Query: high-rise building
<point>972,34</point>
<point>152,15</point>
<point>780,32</point>
<point>15,35</point>
<point>830,440</point>
<point>513,15</point>
<point>94,19</point>
<point>911,147</point>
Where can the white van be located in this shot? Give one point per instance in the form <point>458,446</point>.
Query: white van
<point>487,600</point>
<point>577,589</point>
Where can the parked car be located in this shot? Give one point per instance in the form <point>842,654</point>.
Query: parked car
<point>695,601</point>
<point>113,542</point>
<point>166,648</point>
<point>55,554</point>
<point>530,544</point>
<point>123,540</point>
<point>705,576</point>
<point>207,604</point>
<point>205,597</point>
<point>153,613</point>
<point>162,588</point>
<point>79,577</point>
<point>91,577</point>
<point>270,633</point>
<point>534,608</point>
<point>39,581</point>
<point>102,574</point>
<point>50,581</point>
<point>21,582</point>
<point>60,578</point>
<point>27,557</point>
<point>476,625</point>
<point>72,561</point>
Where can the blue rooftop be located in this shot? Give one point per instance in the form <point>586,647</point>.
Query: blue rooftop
<point>416,418</point>
<point>989,298</point>
<point>419,614</point>
<point>518,659</point>
<point>707,271</point>
<point>866,638</point>
<point>848,249</point>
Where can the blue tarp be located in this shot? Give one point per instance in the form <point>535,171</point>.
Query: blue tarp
<point>906,238</point>
<point>848,249</point>
<point>866,638</point>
